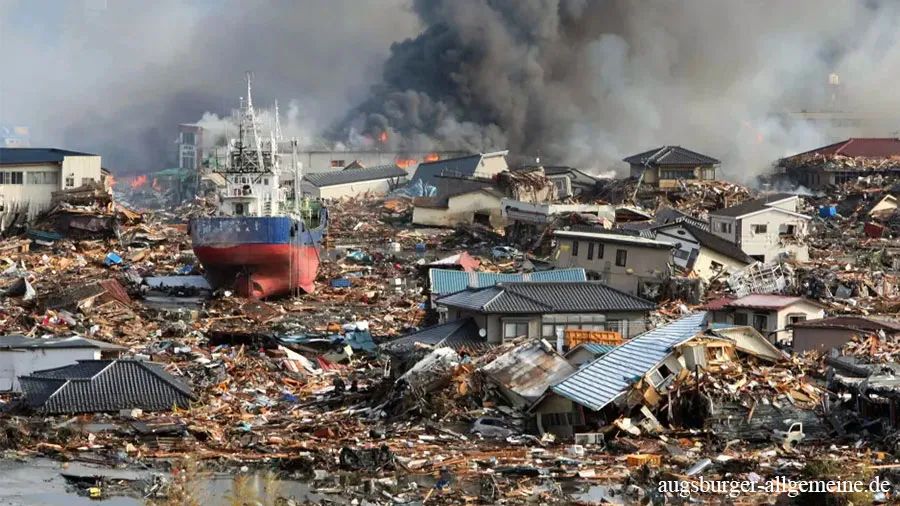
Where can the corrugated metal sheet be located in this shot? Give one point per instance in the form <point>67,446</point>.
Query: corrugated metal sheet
<point>528,370</point>
<point>603,380</point>
<point>446,281</point>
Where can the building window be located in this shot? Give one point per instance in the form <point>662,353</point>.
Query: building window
<point>796,318</point>
<point>515,329</point>
<point>599,251</point>
<point>86,181</point>
<point>70,181</point>
<point>677,174</point>
<point>11,178</point>
<point>337,164</point>
<point>187,138</point>
<point>725,227</point>
<point>682,254</point>
<point>574,249</point>
<point>239,209</point>
<point>47,177</point>
<point>621,257</point>
<point>761,322</point>
<point>590,255</point>
<point>786,230</point>
<point>759,229</point>
<point>716,266</point>
<point>740,318</point>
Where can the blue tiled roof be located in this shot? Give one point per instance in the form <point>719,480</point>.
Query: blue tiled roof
<point>16,156</point>
<point>446,281</point>
<point>606,378</point>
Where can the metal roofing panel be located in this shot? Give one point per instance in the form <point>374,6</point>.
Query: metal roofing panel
<point>606,378</point>
<point>447,281</point>
<point>19,156</point>
<point>321,179</point>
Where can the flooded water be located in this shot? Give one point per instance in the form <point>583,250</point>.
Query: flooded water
<point>39,482</point>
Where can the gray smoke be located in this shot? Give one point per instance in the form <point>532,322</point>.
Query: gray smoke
<point>116,77</point>
<point>589,82</point>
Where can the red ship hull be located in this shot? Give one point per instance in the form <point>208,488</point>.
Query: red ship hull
<point>258,271</point>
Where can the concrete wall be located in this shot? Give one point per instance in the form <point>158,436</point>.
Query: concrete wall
<point>74,170</point>
<point>724,227</point>
<point>490,166</point>
<point>348,190</point>
<point>770,245</point>
<point>641,263</point>
<point>806,339</point>
<point>461,209</point>
<point>15,363</point>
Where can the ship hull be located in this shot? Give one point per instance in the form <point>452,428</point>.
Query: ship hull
<point>257,257</point>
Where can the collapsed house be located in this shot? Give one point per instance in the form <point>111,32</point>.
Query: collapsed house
<point>22,356</point>
<point>772,315</point>
<point>481,165</point>
<point>826,333</point>
<point>353,182</point>
<point>843,161</point>
<point>702,253</point>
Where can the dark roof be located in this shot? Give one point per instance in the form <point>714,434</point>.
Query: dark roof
<point>461,166</point>
<point>713,242</point>
<point>93,386</point>
<point>346,176</point>
<point>671,155</point>
<point>547,297</point>
<point>18,156</point>
<point>18,342</point>
<point>456,334</point>
<point>863,147</point>
<point>751,206</point>
<point>850,322</point>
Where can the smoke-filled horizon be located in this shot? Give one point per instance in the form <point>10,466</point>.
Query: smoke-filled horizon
<point>575,81</point>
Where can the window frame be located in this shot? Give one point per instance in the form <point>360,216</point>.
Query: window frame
<point>621,257</point>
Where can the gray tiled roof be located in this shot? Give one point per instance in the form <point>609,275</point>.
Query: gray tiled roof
<point>606,378</point>
<point>92,386</point>
<point>547,297</point>
<point>463,166</point>
<point>321,179</point>
<point>456,334</point>
<point>16,156</point>
<point>670,155</point>
<point>751,206</point>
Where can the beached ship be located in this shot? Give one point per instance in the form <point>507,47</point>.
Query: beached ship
<point>264,239</point>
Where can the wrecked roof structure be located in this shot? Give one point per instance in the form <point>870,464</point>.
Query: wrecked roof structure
<point>546,297</point>
<point>614,238</point>
<point>463,166</point>
<point>525,372</point>
<point>446,281</point>
<point>18,342</point>
<point>670,155</point>
<point>605,379</point>
<point>768,301</point>
<point>347,176</point>
<point>93,386</point>
<point>753,206</point>
<point>458,334</point>
<point>852,322</point>
<point>711,241</point>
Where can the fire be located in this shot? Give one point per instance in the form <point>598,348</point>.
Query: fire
<point>383,136</point>
<point>432,157</point>
<point>138,181</point>
<point>111,181</point>
<point>405,163</point>
<point>155,185</point>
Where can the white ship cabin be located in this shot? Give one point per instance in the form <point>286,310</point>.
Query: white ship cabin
<point>251,195</point>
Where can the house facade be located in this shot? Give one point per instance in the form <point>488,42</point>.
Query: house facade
<point>21,356</point>
<point>702,252</point>
<point>481,165</point>
<point>480,206</point>
<point>767,229</point>
<point>826,333</point>
<point>349,183</point>
<point>667,165</point>
<point>621,261</point>
<point>547,309</point>
<point>772,315</point>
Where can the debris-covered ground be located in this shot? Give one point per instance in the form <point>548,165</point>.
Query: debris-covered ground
<point>303,385</point>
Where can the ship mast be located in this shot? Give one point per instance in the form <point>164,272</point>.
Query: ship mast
<point>254,130</point>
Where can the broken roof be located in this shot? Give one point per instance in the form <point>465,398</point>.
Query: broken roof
<point>462,166</point>
<point>442,201</point>
<point>768,301</point>
<point>447,281</point>
<point>547,297</point>
<point>24,156</point>
<point>93,386</point>
<point>631,240</point>
<point>528,370</point>
<point>670,155</point>
<point>712,241</point>
<point>752,206</point>
<point>850,322</point>
<point>347,176</point>
<point>606,378</point>
<point>457,334</point>
<point>18,342</point>
<point>864,147</point>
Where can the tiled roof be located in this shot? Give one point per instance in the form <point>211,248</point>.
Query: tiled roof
<point>606,378</point>
<point>767,301</point>
<point>456,334</point>
<point>670,155</point>
<point>547,297</point>
<point>713,242</point>
<point>870,147</point>
<point>446,281</point>
<point>92,386</point>
<point>632,240</point>
<point>17,156</point>
<point>322,179</point>
<point>751,206</point>
<point>18,342</point>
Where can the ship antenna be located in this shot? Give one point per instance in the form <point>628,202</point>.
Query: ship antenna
<point>278,136</point>
<point>252,114</point>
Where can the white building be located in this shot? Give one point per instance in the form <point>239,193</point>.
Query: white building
<point>21,356</point>
<point>29,176</point>
<point>767,228</point>
<point>698,251</point>
<point>352,182</point>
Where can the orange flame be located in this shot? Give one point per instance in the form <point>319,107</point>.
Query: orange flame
<point>432,157</point>
<point>383,136</point>
<point>138,181</point>
<point>405,163</point>
<point>111,181</point>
